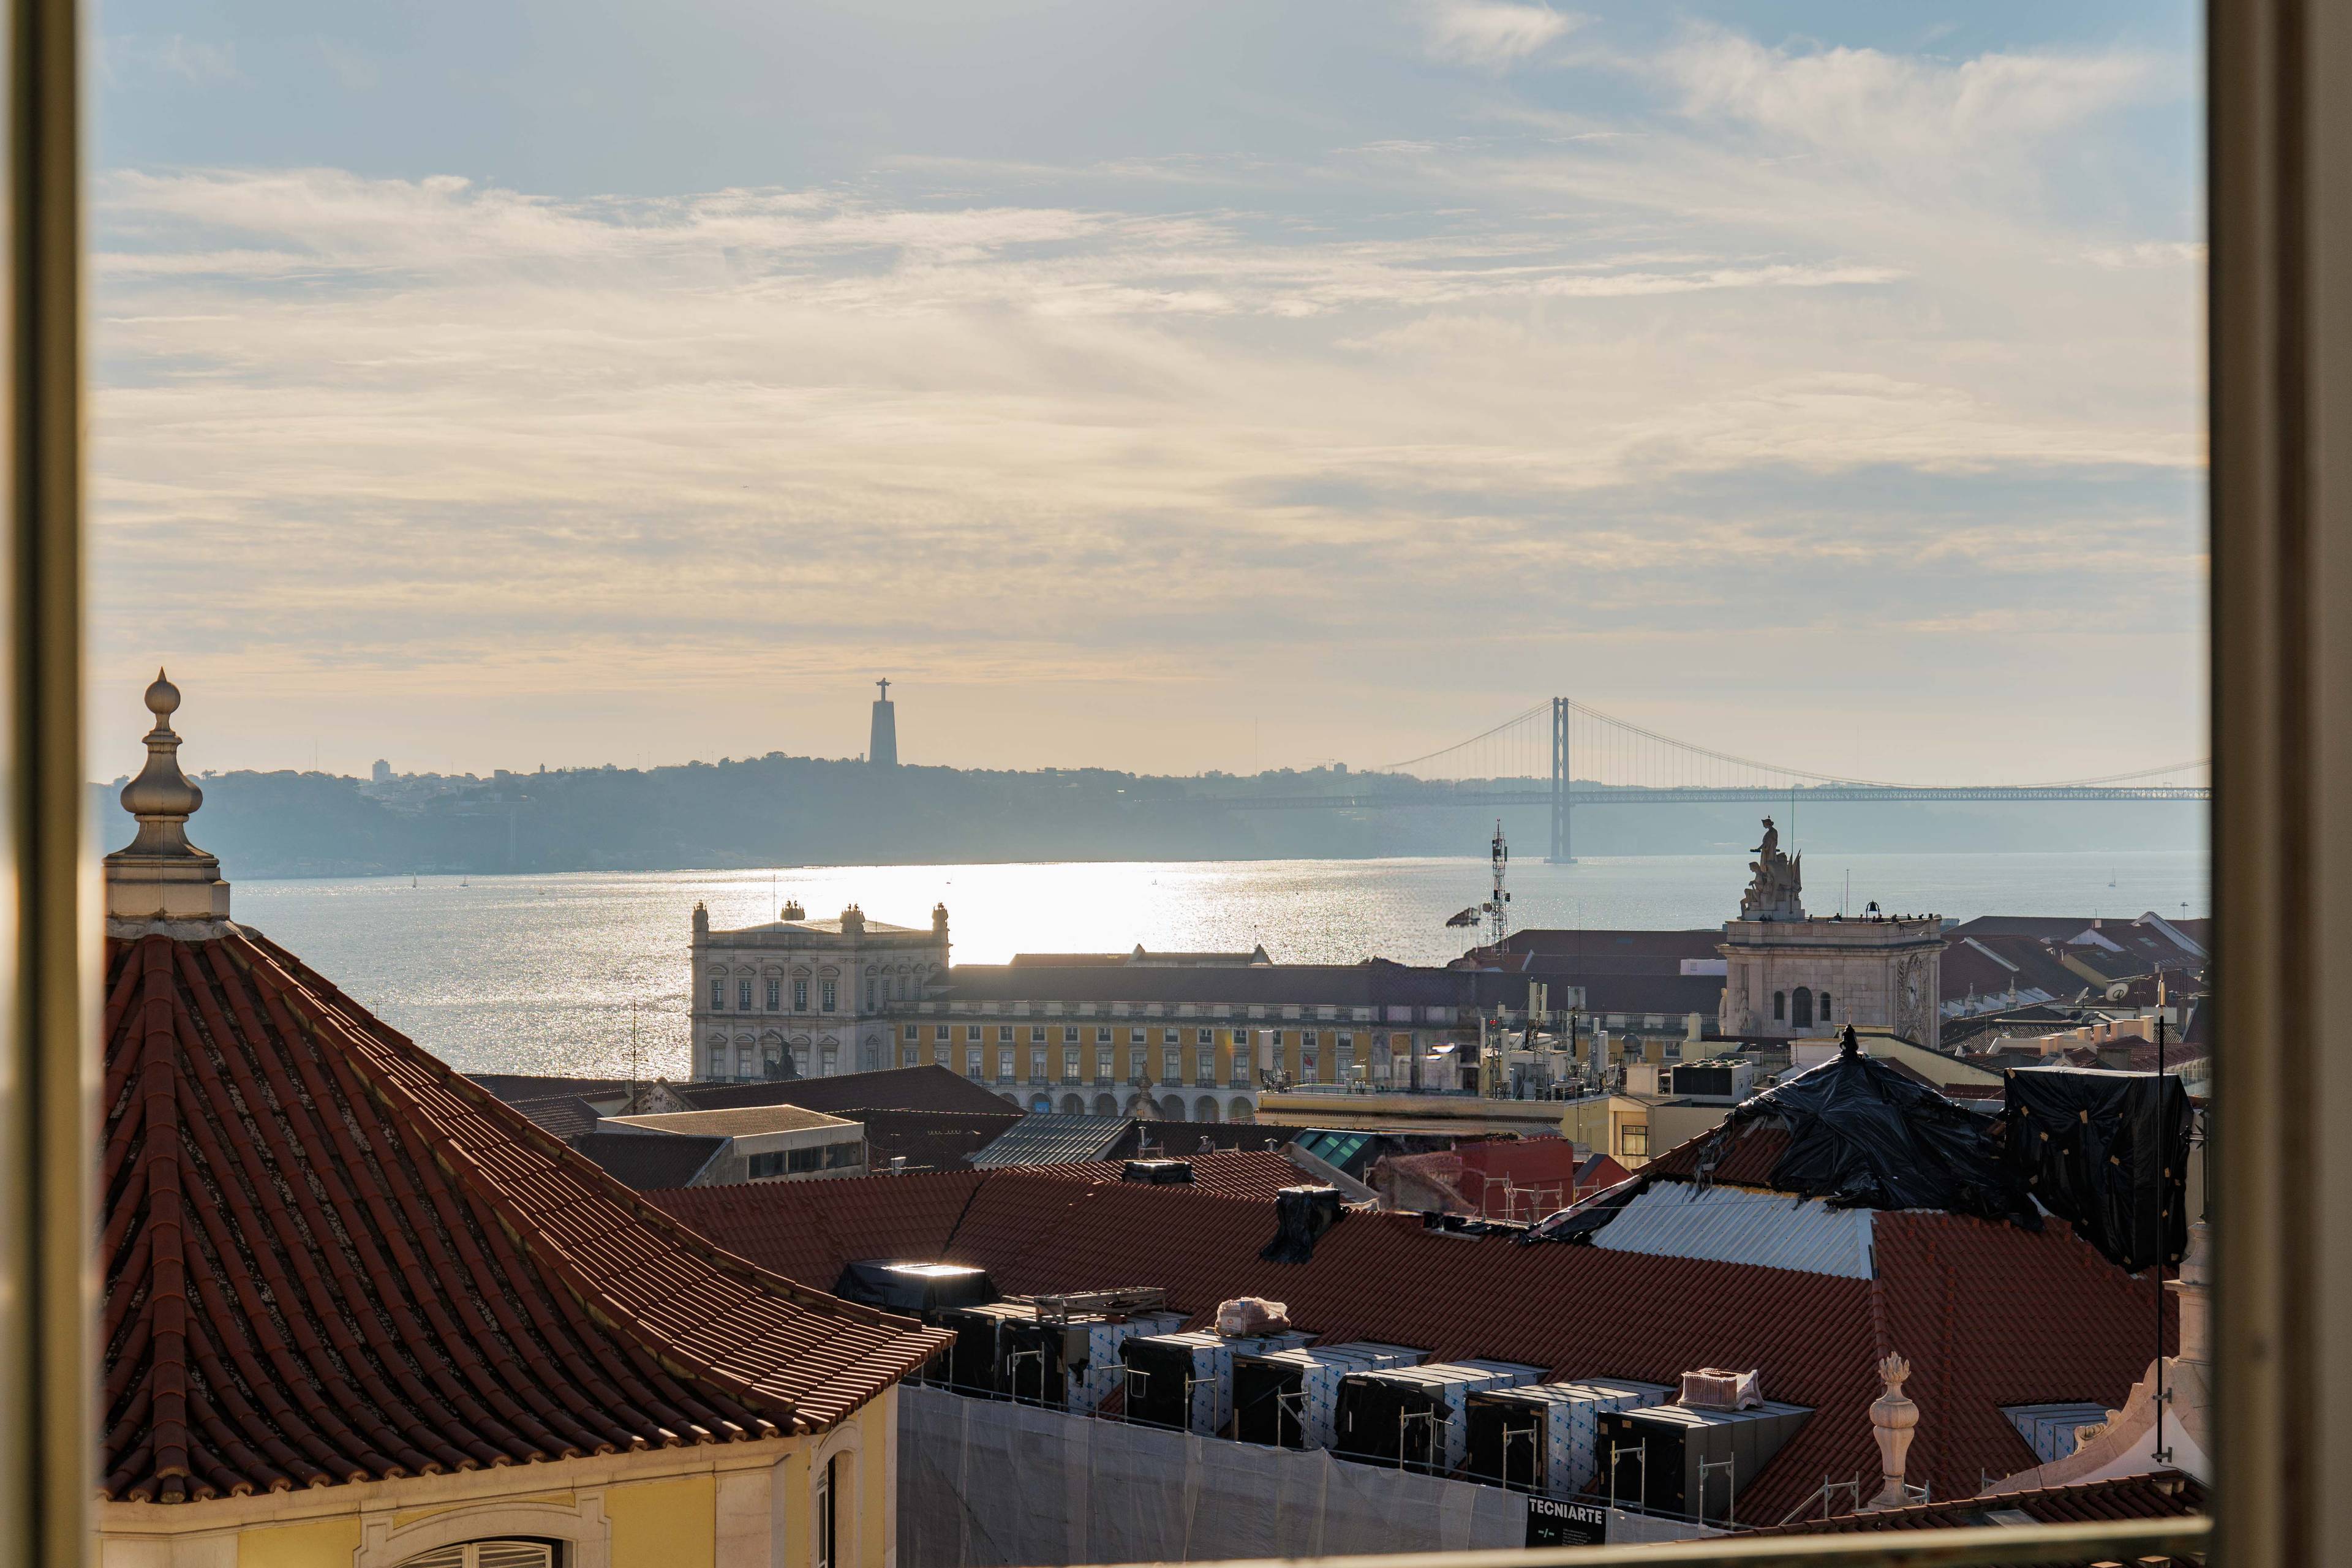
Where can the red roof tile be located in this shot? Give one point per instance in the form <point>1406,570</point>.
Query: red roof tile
<point>2163,1494</point>
<point>329,1258</point>
<point>1988,1315</point>
<point>1232,1172</point>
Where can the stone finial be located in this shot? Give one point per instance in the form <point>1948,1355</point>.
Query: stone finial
<point>940,920</point>
<point>1891,1419</point>
<point>701,917</point>
<point>853,922</point>
<point>159,874</point>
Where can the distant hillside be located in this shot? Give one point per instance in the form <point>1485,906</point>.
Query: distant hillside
<point>779,810</point>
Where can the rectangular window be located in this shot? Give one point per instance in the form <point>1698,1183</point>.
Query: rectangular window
<point>1310,1058</point>
<point>1070,1063</point>
<point>971,1062</point>
<point>1172,1064</point>
<point>912,1033</point>
<point>800,996</point>
<point>742,996</point>
<point>1036,1034</point>
<point>1205,1069</point>
<point>765,1165</point>
<point>775,995</point>
<point>972,1034</point>
<point>869,995</point>
<point>1102,1034</point>
<point>1004,1065</point>
<point>1036,1067</point>
<point>719,995</point>
<point>1102,1064</point>
<point>1069,1034</point>
<point>909,1056</point>
<point>809,1158</point>
<point>1343,1058</point>
<point>1204,1036</point>
<point>1309,1038</point>
<point>1004,1034</point>
<point>1136,1037</point>
<point>940,1033</point>
<point>825,997</point>
<point>1137,1070</point>
<point>1633,1138</point>
<point>828,1554</point>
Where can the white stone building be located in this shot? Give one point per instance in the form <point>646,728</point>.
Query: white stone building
<point>1788,975</point>
<point>815,995</point>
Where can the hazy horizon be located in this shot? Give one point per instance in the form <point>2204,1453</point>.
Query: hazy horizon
<point>1167,388</point>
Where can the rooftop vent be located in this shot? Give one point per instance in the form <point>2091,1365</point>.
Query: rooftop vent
<point>1159,1172</point>
<point>1711,1388</point>
<point>918,1289</point>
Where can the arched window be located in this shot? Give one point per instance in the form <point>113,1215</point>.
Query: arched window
<point>489,1554</point>
<point>1780,1006</point>
<point>1825,1006</point>
<point>1804,1018</point>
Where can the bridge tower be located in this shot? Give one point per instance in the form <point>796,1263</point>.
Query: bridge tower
<point>1562,846</point>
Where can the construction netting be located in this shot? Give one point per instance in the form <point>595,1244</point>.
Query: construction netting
<point>989,1484</point>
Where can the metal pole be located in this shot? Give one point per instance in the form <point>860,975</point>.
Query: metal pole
<point>47,1354</point>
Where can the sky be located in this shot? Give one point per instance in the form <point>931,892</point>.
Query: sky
<point>1169,386</point>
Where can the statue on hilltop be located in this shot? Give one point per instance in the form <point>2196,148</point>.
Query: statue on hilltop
<point>1774,893</point>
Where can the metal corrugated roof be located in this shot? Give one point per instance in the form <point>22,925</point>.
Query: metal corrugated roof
<point>1045,1138</point>
<point>1739,1224</point>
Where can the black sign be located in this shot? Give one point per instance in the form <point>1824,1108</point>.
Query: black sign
<point>1553,1523</point>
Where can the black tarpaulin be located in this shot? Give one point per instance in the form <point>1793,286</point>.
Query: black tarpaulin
<point>1301,1215</point>
<point>2107,1152</point>
<point>1864,1135</point>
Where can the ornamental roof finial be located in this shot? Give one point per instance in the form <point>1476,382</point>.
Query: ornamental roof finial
<point>159,875</point>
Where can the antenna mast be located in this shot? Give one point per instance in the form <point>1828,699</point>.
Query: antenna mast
<point>1498,908</point>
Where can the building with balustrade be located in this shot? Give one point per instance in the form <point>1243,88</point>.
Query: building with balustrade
<point>800,998</point>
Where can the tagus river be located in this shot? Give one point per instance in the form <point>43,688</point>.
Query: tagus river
<point>552,974</point>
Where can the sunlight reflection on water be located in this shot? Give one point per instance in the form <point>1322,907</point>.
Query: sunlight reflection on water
<point>545,973</point>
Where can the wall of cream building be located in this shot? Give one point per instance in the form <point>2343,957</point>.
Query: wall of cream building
<point>769,1004</point>
<point>1879,973</point>
<point>732,1505</point>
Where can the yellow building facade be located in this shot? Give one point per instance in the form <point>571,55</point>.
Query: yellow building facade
<point>767,1504</point>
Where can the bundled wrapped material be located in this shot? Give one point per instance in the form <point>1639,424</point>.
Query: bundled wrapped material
<point>1712,1388</point>
<point>1251,1315</point>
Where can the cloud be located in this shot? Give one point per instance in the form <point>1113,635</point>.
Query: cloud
<point>1865,104</point>
<point>1700,377</point>
<point>1494,34</point>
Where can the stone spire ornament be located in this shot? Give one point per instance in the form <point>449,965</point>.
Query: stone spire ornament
<point>1892,1418</point>
<point>159,875</point>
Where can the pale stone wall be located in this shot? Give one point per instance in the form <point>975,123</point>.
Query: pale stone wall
<point>734,1043</point>
<point>1879,973</point>
<point>731,1505</point>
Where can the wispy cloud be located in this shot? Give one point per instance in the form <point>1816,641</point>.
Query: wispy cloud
<point>1494,34</point>
<point>1055,426</point>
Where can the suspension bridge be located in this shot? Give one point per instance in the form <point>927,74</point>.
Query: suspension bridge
<point>1568,756</point>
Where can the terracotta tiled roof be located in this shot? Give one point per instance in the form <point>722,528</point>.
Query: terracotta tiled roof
<point>2163,1494</point>
<point>329,1258</point>
<point>932,1087</point>
<point>642,1162</point>
<point>1988,1314</point>
<point>567,1116</point>
<point>930,1139</point>
<point>1232,1174</point>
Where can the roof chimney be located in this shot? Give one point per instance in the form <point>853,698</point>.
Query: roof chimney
<point>1892,1418</point>
<point>159,875</point>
